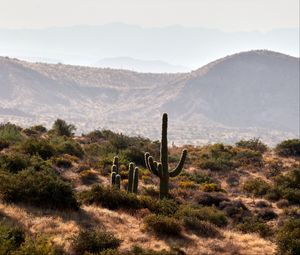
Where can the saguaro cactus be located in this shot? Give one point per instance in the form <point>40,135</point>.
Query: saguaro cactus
<point>161,169</point>
<point>115,177</point>
<point>133,178</point>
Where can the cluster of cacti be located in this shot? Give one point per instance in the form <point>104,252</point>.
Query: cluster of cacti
<point>133,176</point>
<point>115,176</point>
<point>161,169</point>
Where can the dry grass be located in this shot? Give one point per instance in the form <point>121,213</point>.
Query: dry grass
<point>61,226</point>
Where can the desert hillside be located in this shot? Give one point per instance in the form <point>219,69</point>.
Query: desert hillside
<point>66,194</point>
<point>250,94</point>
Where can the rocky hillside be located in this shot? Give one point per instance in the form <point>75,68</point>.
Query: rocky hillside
<point>244,95</point>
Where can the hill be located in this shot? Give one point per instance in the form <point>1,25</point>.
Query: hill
<point>248,94</point>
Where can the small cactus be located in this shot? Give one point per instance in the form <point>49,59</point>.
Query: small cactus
<point>161,169</point>
<point>115,177</point>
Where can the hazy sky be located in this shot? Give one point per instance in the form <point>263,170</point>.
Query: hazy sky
<point>227,15</point>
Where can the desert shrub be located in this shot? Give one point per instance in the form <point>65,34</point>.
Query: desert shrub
<point>253,144</point>
<point>166,207</point>
<point>71,147</point>
<point>41,147</point>
<point>254,225</point>
<point>134,154</point>
<point>187,185</point>
<point>110,198</point>
<point>62,128</point>
<point>11,238</point>
<point>210,198</point>
<point>95,240</point>
<point>248,157</point>
<point>256,186</point>
<point>201,228</point>
<point>210,214</point>
<point>288,186</point>
<point>62,162</point>
<point>217,164</point>
<point>234,209</point>
<point>3,144</point>
<point>10,133</point>
<point>14,162</point>
<point>40,188</point>
<point>267,214</point>
<point>197,177</point>
<point>217,157</point>
<point>282,203</point>
<point>288,237</point>
<point>211,187</point>
<point>262,204</point>
<point>38,246</point>
<point>163,225</point>
<point>289,148</point>
<point>87,176</point>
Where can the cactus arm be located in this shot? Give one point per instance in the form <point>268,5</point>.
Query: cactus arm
<point>179,167</point>
<point>152,166</point>
<point>116,163</point>
<point>159,169</point>
<point>147,155</point>
<point>164,142</point>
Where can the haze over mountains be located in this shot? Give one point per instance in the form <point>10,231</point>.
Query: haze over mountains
<point>190,47</point>
<point>250,94</point>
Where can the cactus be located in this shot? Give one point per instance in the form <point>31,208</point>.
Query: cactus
<point>161,169</point>
<point>118,181</point>
<point>133,179</point>
<point>115,177</point>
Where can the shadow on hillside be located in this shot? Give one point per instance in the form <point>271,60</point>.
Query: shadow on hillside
<point>80,217</point>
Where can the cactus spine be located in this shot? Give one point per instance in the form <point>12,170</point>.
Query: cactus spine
<point>133,178</point>
<point>161,169</point>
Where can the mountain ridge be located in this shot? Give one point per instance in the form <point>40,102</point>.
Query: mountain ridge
<point>206,98</point>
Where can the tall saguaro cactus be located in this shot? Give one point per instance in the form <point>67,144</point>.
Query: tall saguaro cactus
<point>161,169</point>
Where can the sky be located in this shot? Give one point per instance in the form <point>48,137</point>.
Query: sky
<point>226,15</point>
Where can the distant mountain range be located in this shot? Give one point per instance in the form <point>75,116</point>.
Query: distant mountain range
<point>249,94</point>
<point>145,66</point>
<point>190,47</point>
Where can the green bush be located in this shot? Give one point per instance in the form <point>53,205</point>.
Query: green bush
<point>41,147</point>
<point>288,237</point>
<point>3,144</point>
<point>110,198</point>
<point>217,157</point>
<point>64,145</point>
<point>38,246</point>
<point>163,225</point>
<point>253,144</point>
<point>288,186</point>
<point>40,188</point>
<point>254,225</point>
<point>289,148</point>
<point>210,214</point>
<point>62,162</point>
<point>248,157</point>
<point>14,162</point>
<point>257,186</point>
<point>201,228</point>
<point>94,241</point>
<point>10,238</point>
